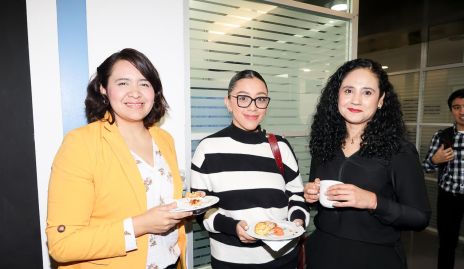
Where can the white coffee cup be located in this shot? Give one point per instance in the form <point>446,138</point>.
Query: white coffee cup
<point>325,184</point>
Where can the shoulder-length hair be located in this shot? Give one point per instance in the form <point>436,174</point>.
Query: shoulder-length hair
<point>97,104</point>
<point>383,133</point>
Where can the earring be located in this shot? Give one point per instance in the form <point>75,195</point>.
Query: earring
<point>105,99</point>
<point>379,107</point>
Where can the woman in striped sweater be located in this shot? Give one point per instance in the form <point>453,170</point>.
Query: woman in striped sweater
<point>237,165</point>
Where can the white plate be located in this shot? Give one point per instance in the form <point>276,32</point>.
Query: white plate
<point>184,204</point>
<point>290,231</point>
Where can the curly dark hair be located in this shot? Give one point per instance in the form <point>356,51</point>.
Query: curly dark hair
<point>97,104</point>
<point>383,133</point>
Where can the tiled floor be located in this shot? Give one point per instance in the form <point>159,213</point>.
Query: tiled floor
<point>421,249</point>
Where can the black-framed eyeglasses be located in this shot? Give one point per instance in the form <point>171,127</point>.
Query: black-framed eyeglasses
<point>244,101</point>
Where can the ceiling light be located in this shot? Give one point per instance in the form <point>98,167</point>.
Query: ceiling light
<point>306,70</point>
<point>339,7</point>
<point>216,32</point>
<point>384,67</point>
<point>240,17</point>
<point>228,24</point>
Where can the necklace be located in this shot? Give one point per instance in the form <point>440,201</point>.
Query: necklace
<point>351,142</point>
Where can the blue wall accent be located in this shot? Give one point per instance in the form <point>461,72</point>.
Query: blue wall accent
<point>73,54</point>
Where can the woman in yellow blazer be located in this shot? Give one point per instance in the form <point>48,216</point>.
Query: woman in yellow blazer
<point>112,180</point>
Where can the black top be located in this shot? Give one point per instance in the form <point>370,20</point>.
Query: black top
<point>402,202</point>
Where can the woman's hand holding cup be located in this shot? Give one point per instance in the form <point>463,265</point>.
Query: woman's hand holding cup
<point>326,198</point>
<point>349,195</point>
<point>311,191</point>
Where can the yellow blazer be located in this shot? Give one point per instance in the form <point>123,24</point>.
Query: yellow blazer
<point>94,185</point>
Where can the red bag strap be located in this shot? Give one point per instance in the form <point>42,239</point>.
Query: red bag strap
<point>278,159</point>
<point>276,151</point>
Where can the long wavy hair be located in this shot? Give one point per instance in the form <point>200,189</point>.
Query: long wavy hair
<point>97,104</point>
<point>383,134</point>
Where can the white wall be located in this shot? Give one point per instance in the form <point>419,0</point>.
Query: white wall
<point>156,28</point>
<point>46,97</point>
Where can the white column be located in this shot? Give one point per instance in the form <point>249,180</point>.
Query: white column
<point>46,97</point>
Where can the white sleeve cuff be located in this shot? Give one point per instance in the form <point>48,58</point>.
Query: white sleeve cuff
<point>208,221</point>
<point>129,235</point>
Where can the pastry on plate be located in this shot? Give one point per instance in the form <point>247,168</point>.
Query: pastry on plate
<point>195,194</point>
<point>265,227</point>
<point>195,201</point>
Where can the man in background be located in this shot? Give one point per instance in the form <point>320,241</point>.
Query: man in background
<point>446,155</point>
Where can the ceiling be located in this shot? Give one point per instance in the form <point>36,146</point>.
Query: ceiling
<point>400,15</point>
<point>406,15</point>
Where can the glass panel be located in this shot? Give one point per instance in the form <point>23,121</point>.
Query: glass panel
<point>397,51</point>
<point>294,51</point>
<point>201,253</point>
<point>446,44</point>
<point>439,84</point>
<point>407,88</point>
<point>301,149</point>
<point>411,133</point>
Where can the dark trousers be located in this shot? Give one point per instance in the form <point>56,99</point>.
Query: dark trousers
<point>450,210</point>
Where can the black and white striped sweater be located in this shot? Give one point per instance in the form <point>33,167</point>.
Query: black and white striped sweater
<point>239,168</point>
